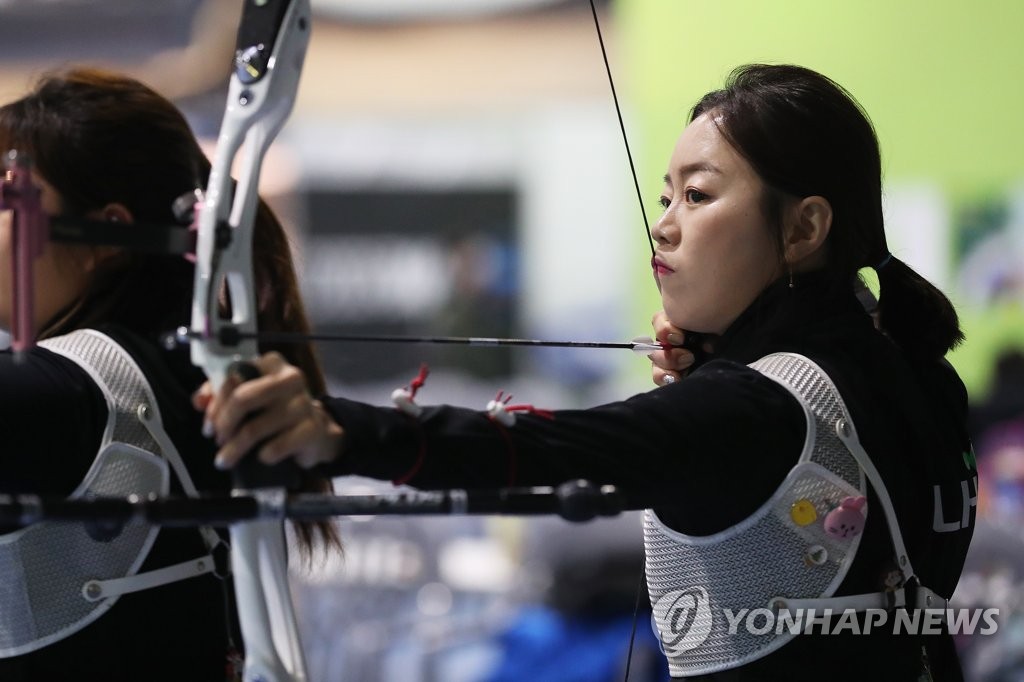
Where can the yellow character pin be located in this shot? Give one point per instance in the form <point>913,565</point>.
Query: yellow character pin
<point>803,512</point>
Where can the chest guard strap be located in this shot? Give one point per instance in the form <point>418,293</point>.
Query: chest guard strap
<point>60,577</point>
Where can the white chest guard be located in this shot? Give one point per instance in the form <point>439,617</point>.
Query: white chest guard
<point>58,578</point>
<point>780,557</point>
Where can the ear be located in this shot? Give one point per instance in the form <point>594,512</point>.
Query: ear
<point>115,213</point>
<point>807,229</point>
<point>111,213</point>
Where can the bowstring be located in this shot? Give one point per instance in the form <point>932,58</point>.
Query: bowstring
<point>622,127</point>
<point>650,242</point>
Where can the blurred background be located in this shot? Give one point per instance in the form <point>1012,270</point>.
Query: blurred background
<point>454,167</point>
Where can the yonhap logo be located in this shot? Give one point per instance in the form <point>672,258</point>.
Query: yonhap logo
<point>683,619</point>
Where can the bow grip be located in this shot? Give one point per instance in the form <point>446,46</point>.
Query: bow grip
<point>250,473</point>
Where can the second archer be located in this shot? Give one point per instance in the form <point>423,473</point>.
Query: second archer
<point>797,465</point>
<point>99,406</point>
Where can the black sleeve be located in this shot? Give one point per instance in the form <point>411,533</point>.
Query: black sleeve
<point>710,448</point>
<point>52,417</point>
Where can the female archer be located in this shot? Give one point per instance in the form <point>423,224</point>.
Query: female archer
<point>798,468</point>
<point>99,406</point>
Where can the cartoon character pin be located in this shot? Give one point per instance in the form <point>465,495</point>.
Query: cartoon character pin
<point>846,520</point>
<point>803,512</point>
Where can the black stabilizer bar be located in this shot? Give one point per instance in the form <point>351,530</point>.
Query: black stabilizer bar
<point>574,501</point>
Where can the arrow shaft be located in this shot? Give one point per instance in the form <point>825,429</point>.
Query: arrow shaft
<point>183,336</point>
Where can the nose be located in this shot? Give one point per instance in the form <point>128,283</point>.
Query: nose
<point>665,232</point>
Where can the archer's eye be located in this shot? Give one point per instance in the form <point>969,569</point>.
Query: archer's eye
<point>694,196</point>
<point>664,202</point>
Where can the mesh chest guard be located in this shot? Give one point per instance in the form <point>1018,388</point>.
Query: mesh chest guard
<point>59,577</point>
<point>693,580</point>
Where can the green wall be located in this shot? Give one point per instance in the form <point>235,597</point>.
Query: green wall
<point>941,80</point>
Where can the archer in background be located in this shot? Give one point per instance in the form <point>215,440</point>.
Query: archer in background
<point>768,470</point>
<point>78,412</point>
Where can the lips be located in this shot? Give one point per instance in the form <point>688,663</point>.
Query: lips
<point>660,268</point>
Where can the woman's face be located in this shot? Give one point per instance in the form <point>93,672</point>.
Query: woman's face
<point>715,252</point>
<point>58,277</point>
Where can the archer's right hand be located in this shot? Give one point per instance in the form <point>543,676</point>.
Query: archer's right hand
<point>668,366</point>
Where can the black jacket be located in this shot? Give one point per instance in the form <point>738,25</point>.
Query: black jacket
<point>52,418</point>
<point>709,450</point>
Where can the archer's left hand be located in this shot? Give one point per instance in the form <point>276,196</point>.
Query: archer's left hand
<point>274,411</point>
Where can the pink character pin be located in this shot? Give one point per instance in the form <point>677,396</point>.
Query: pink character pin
<point>846,520</point>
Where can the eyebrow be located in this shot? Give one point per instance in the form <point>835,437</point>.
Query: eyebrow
<point>690,168</point>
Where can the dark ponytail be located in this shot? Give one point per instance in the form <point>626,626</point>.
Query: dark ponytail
<point>805,135</point>
<point>913,312</point>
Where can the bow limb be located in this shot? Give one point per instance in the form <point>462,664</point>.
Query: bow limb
<point>272,41</point>
<point>260,98</point>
